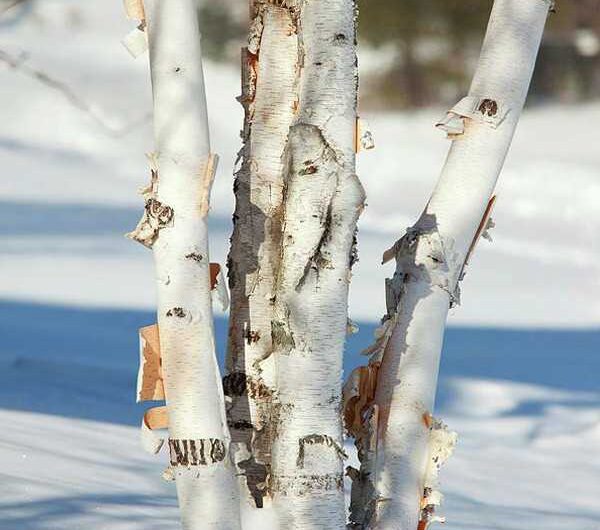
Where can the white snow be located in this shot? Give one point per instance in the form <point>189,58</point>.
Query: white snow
<point>545,249</point>
<point>70,459</point>
<point>511,470</point>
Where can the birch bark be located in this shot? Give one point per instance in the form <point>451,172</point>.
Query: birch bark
<point>322,201</point>
<point>297,203</point>
<point>395,430</point>
<point>269,96</point>
<point>175,226</point>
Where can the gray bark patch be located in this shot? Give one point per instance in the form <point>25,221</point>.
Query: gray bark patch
<point>256,479</point>
<point>282,336</point>
<point>306,484</point>
<point>362,499</point>
<point>238,384</point>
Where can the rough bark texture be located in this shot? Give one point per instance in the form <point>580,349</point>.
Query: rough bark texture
<point>269,96</point>
<point>323,199</point>
<point>298,200</point>
<point>175,227</point>
<point>394,429</point>
<point>308,334</point>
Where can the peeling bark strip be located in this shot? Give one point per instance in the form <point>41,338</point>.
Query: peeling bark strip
<point>195,402</point>
<point>150,378</point>
<point>441,446</point>
<point>359,396</point>
<point>196,452</point>
<point>156,214</point>
<point>477,108</point>
<point>135,9</point>
<point>155,418</point>
<point>207,182</point>
<point>136,41</point>
<point>400,466</point>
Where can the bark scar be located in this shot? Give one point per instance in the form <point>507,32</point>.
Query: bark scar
<point>313,439</point>
<point>178,312</point>
<point>201,452</point>
<point>489,107</point>
<point>318,260</point>
<point>194,256</point>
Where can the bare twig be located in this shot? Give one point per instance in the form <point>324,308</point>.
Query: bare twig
<point>9,5</point>
<point>20,63</point>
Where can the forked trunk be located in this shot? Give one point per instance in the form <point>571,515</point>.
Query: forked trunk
<point>389,405</point>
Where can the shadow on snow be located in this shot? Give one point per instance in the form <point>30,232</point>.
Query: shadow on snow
<point>82,363</point>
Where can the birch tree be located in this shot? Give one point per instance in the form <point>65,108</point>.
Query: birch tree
<point>174,226</point>
<point>323,201</point>
<point>298,200</point>
<point>297,203</point>
<point>390,402</point>
<point>269,97</point>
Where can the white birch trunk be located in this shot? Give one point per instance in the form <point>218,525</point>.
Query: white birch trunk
<point>322,202</point>
<point>393,490</point>
<point>298,200</point>
<point>269,96</point>
<point>199,438</point>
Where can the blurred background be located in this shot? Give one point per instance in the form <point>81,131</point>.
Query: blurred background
<point>519,376</point>
<point>420,53</point>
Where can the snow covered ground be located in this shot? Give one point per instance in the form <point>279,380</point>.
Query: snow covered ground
<point>525,400</point>
<point>526,405</point>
